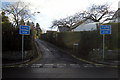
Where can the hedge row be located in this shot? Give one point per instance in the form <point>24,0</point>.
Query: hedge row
<point>86,40</point>
<point>12,40</point>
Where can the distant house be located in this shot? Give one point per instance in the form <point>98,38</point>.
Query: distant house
<point>88,25</point>
<point>116,16</point>
<point>85,25</point>
<point>63,29</point>
<point>49,31</point>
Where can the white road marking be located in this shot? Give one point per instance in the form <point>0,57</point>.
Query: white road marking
<point>61,65</point>
<point>87,65</point>
<point>36,65</point>
<point>75,65</point>
<point>48,65</point>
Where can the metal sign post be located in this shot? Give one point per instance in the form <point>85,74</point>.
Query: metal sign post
<point>103,46</point>
<point>104,29</point>
<point>22,46</point>
<point>24,30</point>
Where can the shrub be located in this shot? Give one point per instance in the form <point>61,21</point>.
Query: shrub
<point>87,40</point>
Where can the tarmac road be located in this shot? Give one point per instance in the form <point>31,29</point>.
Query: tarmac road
<point>54,63</point>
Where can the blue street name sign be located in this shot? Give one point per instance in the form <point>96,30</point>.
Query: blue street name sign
<point>24,30</point>
<point>105,29</point>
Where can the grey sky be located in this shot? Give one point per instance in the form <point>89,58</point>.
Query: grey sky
<point>56,9</point>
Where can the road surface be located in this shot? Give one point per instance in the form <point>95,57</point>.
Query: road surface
<point>57,64</point>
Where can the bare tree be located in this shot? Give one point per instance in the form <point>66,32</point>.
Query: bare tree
<point>70,22</point>
<point>18,11</point>
<point>98,13</point>
<point>57,23</point>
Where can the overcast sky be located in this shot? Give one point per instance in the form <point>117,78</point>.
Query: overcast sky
<point>56,9</point>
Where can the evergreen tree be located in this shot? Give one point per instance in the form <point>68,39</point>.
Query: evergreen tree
<point>22,22</point>
<point>4,18</point>
<point>28,23</point>
<point>38,29</point>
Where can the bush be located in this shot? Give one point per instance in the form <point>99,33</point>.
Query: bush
<point>12,40</point>
<point>87,40</point>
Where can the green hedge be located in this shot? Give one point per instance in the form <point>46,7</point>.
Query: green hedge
<point>87,40</point>
<point>112,41</point>
<point>11,39</point>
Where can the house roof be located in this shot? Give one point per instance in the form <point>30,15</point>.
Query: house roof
<point>117,13</point>
<point>116,16</point>
<point>83,22</point>
<point>86,27</point>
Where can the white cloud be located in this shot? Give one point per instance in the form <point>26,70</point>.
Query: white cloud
<point>56,9</point>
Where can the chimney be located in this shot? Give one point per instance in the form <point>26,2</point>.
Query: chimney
<point>118,4</point>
